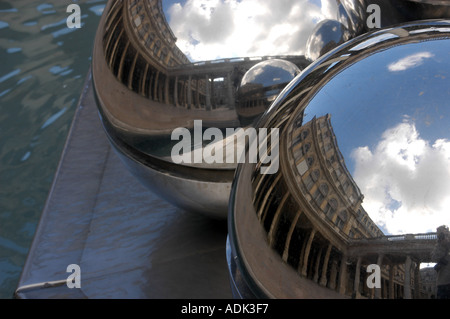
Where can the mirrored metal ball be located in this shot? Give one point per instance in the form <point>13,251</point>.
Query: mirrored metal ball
<point>364,174</point>
<point>327,35</point>
<point>260,86</point>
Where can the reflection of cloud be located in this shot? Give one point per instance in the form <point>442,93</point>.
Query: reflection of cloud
<point>410,61</point>
<point>405,180</point>
<point>210,29</point>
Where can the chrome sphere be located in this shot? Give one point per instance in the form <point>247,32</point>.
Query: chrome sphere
<point>260,86</point>
<point>364,171</point>
<point>327,35</point>
<point>147,90</point>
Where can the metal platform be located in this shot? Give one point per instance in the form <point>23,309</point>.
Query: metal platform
<point>128,242</point>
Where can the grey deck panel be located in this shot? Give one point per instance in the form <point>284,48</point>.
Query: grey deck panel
<point>128,242</point>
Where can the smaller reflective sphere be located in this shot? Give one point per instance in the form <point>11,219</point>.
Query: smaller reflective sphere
<point>327,35</point>
<point>260,86</point>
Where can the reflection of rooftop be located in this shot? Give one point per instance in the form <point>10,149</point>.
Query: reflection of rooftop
<point>397,247</point>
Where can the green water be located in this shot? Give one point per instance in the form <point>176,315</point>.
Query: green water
<point>43,65</point>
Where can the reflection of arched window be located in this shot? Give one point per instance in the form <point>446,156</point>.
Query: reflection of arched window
<point>359,213</point>
<point>343,215</point>
<point>143,31</point>
<point>321,193</point>
<point>150,39</point>
<point>315,174</point>
<point>331,208</point>
<point>157,47</point>
<point>332,159</point>
<point>164,53</point>
<point>138,9</point>
<point>311,179</point>
<point>305,134</point>
<point>346,185</point>
<point>310,161</point>
<point>341,219</point>
<point>306,148</point>
<point>298,138</point>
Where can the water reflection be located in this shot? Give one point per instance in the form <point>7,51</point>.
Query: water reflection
<point>41,77</point>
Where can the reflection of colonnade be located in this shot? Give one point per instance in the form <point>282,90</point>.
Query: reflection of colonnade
<point>140,49</point>
<point>399,258</point>
<point>314,219</point>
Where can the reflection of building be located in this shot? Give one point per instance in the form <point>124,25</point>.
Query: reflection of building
<point>312,213</point>
<point>326,182</point>
<point>140,49</point>
<point>261,85</point>
<point>428,283</point>
<point>145,88</point>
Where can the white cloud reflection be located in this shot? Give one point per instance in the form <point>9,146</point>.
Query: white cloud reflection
<point>210,29</point>
<point>409,62</point>
<point>405,180</point>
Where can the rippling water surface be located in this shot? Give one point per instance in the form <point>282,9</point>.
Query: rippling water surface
<point>43,65</point>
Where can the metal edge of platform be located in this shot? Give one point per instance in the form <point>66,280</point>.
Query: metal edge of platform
<point>68,233</point>
<point>21,290</point>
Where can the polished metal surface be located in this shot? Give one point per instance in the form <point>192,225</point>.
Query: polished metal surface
<point>327,35</point>
<point>260,86</point>
<point>147,91</point>
<point>351,18</point>
<point>174,122</point>
<point>364,154</point>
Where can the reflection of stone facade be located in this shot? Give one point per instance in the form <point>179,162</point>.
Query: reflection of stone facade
<point>428,283</point>
<point>326,182</point>
<point>140,49</point>
<point>150,26</point>
<point>313,216</point>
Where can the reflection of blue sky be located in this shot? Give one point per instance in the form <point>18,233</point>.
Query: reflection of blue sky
<point>391,116</point>
<point>168,3</point>
<point>367,92</point>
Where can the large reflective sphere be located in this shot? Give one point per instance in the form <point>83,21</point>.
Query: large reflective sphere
<point>171,121</point>
<point>260,86</point>
<point>159,109</point>
<point>364,176</point>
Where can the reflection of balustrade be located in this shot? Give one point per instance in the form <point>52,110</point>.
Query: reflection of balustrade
<point>424,236</point>
<point>243,61</point>
<point>395,252</point>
